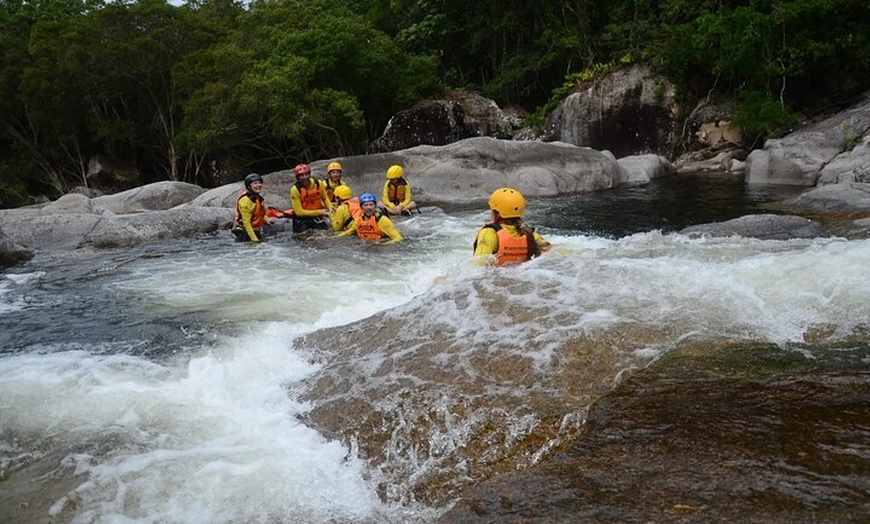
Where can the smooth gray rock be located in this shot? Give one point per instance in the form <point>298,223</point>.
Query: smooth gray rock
<point>628,111</point>
<point>849,166</point>
<point>765,227</point>
<point>468,171</point>
<point>11,253</point>
<point>833,198</point>
<point>159,195</point>
<point>799,158</point>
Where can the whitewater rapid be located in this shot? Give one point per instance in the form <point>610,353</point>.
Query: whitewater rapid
<point>152,385</point>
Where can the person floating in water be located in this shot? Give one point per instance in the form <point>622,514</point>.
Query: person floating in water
<point>250,211</point>
<point>507,240</point>
<point>397,193</point>
<point>371,223</point>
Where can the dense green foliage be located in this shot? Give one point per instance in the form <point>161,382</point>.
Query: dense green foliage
<point>207,91</point>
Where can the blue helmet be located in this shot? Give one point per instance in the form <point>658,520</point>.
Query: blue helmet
<point>367,197</point>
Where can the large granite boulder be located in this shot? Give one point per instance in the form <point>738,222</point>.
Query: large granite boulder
<point>629,111</point>
<point>435,122</point>
<point>159,195</point>
<point>459,115</point>
<point>467,171</point>
<point>800,158</point>
<point>853,199</point>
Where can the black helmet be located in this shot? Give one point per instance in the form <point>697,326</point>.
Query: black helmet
<point>251,178</point>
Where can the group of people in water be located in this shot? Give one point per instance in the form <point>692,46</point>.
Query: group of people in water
<point>329,204</point>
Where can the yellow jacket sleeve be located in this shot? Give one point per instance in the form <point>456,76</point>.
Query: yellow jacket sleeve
<point>324,195</point>
<point>487,242</point>
<point>340,217</point>
<point>351,230</point>
<point>246,213</point>
<point>407,199</point>
<point>387,228</point>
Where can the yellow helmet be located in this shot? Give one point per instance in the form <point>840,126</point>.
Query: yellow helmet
<point>343,192</point>
<point>395,171</point>
<point>333,166</point>
<point>508,202</point>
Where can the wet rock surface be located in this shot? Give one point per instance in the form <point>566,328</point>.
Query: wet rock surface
<point>780,440</point>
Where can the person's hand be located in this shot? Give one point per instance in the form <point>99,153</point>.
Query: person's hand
<point>325,212</point>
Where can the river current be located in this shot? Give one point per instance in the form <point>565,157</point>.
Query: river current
<point>164,383</point>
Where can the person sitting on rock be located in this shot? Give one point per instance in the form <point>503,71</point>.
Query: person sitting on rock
<point>507,240</point>
<point>347,209</point>
<point>397,193</point>
<point>333,180</point>
<point>250,211</point>
<point>371,223</point>
<point>311,205</point>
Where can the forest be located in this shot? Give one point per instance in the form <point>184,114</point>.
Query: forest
<point>209,90</point>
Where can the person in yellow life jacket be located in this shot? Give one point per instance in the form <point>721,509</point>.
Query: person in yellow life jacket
<point>397,193</point>
<point>250,211</point>
<point>371,223</point>
<point>333,180</point>
<point>310,202</point>
<point>507,240</point>
<point>347,209</point>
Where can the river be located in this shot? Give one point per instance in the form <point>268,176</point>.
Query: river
<point>205,381</point>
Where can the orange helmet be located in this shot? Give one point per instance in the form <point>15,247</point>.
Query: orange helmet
<point>395,171</point>
<point>333,166</point>
<point>508,202</point>
<point>302,169</point>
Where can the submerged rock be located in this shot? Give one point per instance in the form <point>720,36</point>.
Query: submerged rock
<point>764,226</point>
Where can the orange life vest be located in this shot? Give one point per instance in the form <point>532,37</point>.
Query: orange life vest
<point>396,191</point>
<point>511,249</point>
<point>259,216</point>
<point>330,190</point>
<point>354,209</point>
<point>368,228</point>
<point>310,196</point>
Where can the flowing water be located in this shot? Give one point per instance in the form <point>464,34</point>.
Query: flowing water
<point>323,380</point>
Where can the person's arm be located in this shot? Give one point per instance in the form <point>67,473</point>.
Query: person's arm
<point>351,230</point>
<point>486,246</point>
<point>324,196</point>
<point>339,217</point>
<point>246,212</point>
<point>387,228</point>
<point>543,244</point>
<point>404,203</point>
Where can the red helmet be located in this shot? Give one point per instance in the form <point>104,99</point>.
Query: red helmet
<point>302,169</point>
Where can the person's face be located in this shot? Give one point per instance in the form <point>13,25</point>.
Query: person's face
<point>335,175</point>
<point>303,177</point>
<point>256,186</point>
<point>368,208</point>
